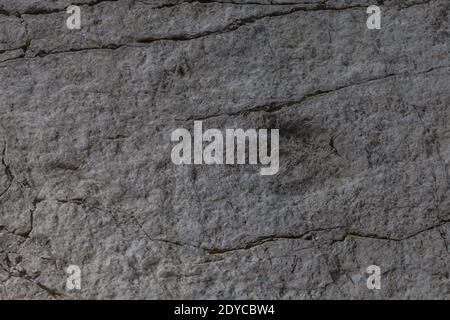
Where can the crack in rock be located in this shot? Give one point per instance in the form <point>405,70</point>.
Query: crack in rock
<point>277,106</point>
<point>8,172</point>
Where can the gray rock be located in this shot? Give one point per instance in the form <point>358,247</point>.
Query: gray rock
<point>86,176</point>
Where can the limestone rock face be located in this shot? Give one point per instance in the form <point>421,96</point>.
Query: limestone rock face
<point>86,176</point>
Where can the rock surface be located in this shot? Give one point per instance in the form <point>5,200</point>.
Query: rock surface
<point>86,176</point>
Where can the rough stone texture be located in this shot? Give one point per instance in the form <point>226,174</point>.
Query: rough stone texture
<point>86,176</point>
